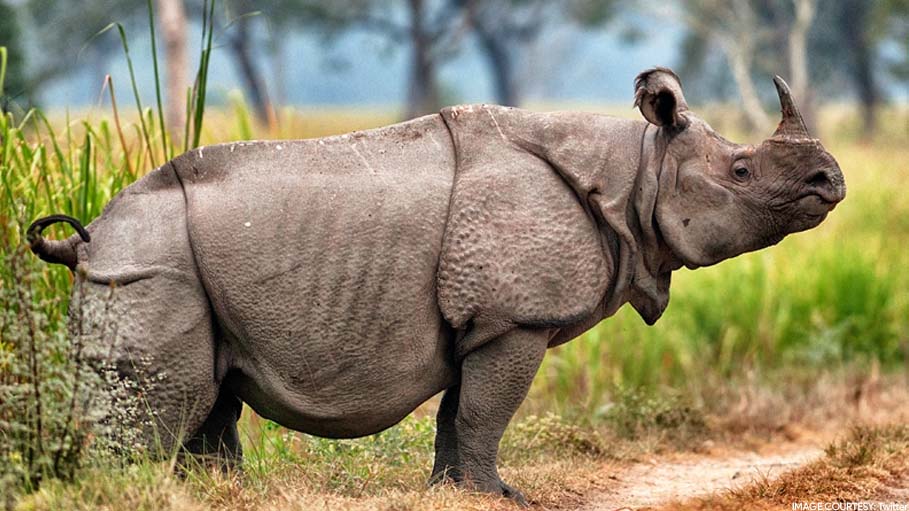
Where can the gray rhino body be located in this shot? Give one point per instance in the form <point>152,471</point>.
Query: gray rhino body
<point>336,284</point>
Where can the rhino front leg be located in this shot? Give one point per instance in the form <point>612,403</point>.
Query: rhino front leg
<point>495,379</point>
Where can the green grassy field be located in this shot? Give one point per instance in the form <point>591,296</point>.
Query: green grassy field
<point>829,305</point>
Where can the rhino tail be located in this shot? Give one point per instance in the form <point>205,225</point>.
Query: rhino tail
<point>56,251</point>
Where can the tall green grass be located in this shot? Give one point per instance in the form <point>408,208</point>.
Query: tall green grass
<point>74,167</point>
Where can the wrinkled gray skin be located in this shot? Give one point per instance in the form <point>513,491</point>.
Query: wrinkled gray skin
<point>335,284</point>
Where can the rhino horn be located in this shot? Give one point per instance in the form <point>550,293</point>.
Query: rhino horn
<point>792,125</point>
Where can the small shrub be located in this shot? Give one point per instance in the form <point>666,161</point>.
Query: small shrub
<point>38,388</point>
<point>635,414</point>
<point>869,445</point>
<point>57,411</point>
<point>534,436</point>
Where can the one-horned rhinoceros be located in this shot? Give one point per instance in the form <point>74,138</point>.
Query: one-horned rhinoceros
<point>336,284</point>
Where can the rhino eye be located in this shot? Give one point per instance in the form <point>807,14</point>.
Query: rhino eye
<point>741,172</point>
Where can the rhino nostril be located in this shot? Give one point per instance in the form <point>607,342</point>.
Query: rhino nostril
<point>819,179</point>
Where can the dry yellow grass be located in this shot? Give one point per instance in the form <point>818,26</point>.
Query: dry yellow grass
<point>558,464</point>
<point>869,465</point>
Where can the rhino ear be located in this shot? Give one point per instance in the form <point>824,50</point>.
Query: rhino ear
<point>658,93</point>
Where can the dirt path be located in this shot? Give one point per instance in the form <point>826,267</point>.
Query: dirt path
<point>663,479</point>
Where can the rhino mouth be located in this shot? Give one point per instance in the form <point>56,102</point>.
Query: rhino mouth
<point>816,205</point>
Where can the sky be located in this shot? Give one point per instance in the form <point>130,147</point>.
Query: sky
<point>362,69</point>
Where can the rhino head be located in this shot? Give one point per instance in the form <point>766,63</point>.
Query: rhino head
<point>718,199</point>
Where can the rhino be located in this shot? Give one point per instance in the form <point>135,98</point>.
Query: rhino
<point>335,284</point>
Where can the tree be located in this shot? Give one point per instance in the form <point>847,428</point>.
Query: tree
<point>432,31</point>
<point>894,16</point>
<point>68,35</point>
<point>798,58</point>
<point>503,28</point>
<point>893,20</point>
<point>423,88</point>
<point>173,26</point>
<point>731,26</point>
<point>284,18</point>
<point>772,33</point>
<point>854,22</point>
<point>241,43</point>
<point>848,48</point>
<point>15,84</point>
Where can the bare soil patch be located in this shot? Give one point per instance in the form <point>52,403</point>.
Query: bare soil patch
<point>662,479</point>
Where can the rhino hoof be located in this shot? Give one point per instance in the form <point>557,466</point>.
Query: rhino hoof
<point>497,488</point>
<point>515,495</point>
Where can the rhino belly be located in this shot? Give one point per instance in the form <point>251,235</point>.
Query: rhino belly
<point>320,260</point>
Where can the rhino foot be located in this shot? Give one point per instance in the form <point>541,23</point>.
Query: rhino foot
<point>453,475</point>
<point>500,488</point>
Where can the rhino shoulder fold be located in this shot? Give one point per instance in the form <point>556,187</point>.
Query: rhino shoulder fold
<point>559,200</point>
<point>519,248</point>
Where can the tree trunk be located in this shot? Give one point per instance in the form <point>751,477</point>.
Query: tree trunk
<point>739,59</point>
<point>240,47</point>
<point>423,91</point>
<point>278,66</point>
<point>172,21</point>
<point>855,33</point>
<point>500,65</point>
<point>737,33</point>
<point>798,61</point>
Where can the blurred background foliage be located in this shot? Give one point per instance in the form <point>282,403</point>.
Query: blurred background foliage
<point>521,50</point>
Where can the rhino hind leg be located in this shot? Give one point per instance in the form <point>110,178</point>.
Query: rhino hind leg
<point>156,334</point>
<point>446,466</point>
<point>217,441</point>
<point>495,379</point>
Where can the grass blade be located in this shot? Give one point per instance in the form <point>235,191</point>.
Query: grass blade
<point>132,77</point>
<point>154,50</point>
<point>113,104</point>
<point>189,114</point>
<point>202,75</point>
<point>3,58</point>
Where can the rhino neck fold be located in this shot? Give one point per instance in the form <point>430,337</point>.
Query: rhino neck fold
<point>642,259</point>
<point>613,166</point>
<point>654,261</point>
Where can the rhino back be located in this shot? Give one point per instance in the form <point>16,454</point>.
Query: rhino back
<point>319,257</point>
